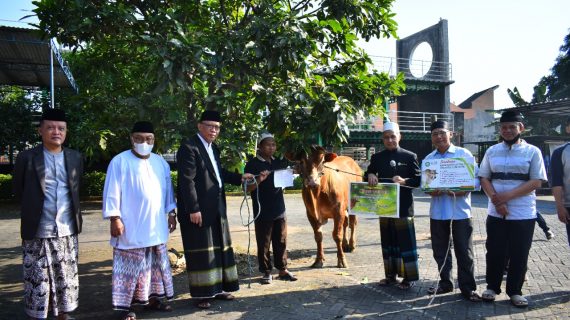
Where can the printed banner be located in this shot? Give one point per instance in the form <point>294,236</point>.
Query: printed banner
<point>455,174</point>
<point>382,200</point>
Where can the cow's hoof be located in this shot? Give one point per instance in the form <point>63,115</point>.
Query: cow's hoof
<point>347,248</point>
<point>317,264</point>
<point>342,264</point>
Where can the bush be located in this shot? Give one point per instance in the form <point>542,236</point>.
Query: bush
<point>92,184</point>
<point>6,186</point>
<point>174,178</point>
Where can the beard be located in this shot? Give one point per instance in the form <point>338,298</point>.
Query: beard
<point>513,141</point>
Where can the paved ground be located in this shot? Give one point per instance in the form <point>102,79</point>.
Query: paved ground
<point>328,293</point>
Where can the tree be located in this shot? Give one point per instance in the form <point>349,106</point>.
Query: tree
<point>17,108</point>
<point>296,59</point>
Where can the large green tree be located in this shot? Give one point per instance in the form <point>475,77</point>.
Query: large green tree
<point>295,61</point>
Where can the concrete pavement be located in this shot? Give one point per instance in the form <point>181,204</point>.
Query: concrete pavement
<point>328,293</point>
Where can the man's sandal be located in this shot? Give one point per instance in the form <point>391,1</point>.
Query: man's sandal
<point>405,285</point>
<point>157,305</point>
<point>388,282</point>
<point>225,296</point>
<point>472,296</point>
<point>203,304</point>
<point>129,316</point>
<point>519,301</point>
<point>489,295</point>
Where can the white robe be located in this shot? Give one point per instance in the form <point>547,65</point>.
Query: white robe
<point>140,192</point>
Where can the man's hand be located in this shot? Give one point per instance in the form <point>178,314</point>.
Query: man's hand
<point>263,175</point>
<point>372,179</point>
<point>500,198</point>
<point>117,227</point>
<point>502,210</point>
<point>563,214</point>
<point>399,180</point>
<point>247,176</point>
<point>171,223</point>
<point>196,218</point>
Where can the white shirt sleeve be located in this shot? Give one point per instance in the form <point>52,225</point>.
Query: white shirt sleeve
<point>112,190</point>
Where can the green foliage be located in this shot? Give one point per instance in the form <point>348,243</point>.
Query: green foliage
<point>6,186</point>
<point>17,107</point>
<point>174,178</point>
<point>93,184</point>
<point>168,61</point>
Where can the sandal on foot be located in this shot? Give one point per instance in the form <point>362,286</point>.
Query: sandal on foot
<point>267,278</point>
<point>225,296</point>
<point>157,305</point>
<point>489,295</point>
<point>203,304</point>
<point>472,296</point>
<point>439,290</point>
<point>388,282</point>
<point>405,285</point>
<point>287,276</point>
<point>519,301</point>
<point>129,316</point>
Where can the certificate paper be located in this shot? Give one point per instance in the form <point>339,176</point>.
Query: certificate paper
<point>382,200</point>
<point>283,178</point>
<point>455,174</point>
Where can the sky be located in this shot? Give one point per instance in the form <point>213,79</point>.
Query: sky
<point>491,42</point>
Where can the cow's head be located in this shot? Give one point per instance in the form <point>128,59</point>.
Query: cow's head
<point>311,165</point>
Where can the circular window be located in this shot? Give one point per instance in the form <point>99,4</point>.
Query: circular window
<point>421,60</point>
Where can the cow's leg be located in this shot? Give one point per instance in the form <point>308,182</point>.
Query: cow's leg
<point>352,222</point>
<point>345,244</point>
<point>317,230</point>
<point>339,222</point>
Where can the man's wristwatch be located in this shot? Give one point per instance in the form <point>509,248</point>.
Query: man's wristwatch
<point>172,213</point>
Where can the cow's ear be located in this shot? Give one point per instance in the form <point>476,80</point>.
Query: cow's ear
<point>330,156</point>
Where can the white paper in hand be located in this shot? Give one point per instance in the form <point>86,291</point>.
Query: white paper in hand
<point>283,178</point>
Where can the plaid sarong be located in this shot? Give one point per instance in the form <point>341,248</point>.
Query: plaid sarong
<point>399,250</point>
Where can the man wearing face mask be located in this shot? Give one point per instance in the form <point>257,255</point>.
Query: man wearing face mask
<point>138,199</point>
<point>510,173</point>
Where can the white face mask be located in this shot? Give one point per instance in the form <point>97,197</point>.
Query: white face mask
<point>143,149</point>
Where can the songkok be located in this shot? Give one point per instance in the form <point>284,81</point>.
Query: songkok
<point>391,126</point>
<point>511,116</point>
<point>439,124</point>
<point>210,115</point>
<point>143,126</point>
<point>264,136</point>
<point>54,115</point>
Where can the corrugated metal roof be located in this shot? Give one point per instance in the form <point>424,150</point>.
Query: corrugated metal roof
<point>555,108</point>
<point>25,59</point>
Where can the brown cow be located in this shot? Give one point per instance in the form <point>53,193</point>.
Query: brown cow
<point>326,180</point>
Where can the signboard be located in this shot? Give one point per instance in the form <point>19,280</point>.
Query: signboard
<point>455,174</point>
<point>382,200</point>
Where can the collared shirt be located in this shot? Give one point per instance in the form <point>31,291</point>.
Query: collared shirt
<point>520,159</point>
<point>140,192</point>
<point>210,151</point>
<point>270,198</point>
<point>56,219</point>
<point>448,207</point>
<point>560,171</point>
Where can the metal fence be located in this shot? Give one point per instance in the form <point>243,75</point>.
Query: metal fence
<point>414,69</point>
<point>409,121</point>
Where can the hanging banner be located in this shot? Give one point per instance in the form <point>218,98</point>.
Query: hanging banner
<point>455,174</point>
<point>382,200</point>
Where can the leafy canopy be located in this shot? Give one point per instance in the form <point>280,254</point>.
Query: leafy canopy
<point>296,62</point>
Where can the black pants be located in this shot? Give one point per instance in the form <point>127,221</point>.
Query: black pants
<point>512,238</point>
<point>268,233</point>
<point>541,222</point>
<point>463,248</point>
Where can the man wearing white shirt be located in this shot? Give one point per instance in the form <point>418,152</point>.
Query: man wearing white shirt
<point>510,173</point>
<point>138,199</point>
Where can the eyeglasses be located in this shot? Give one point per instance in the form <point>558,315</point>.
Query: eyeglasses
<point>439,133</point>
<point>211,127</point>
<point>141,139</point>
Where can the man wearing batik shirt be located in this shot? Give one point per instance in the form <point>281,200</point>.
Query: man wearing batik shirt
<point>46,181</point>
<point>138,199</point>
<point>510,173</point>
